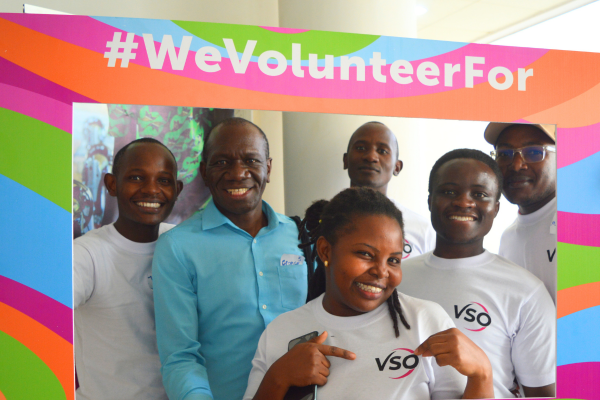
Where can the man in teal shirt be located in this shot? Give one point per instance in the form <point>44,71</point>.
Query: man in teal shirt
<point>223,275</point>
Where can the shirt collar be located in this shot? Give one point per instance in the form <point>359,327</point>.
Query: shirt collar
<point>212,218</point>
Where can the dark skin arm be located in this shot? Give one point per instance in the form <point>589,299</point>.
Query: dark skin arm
<point>305,364</point>
<point>542,391</point>
<point>452,347</point>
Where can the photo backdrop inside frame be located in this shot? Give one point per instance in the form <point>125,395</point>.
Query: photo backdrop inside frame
<point>50,62</point>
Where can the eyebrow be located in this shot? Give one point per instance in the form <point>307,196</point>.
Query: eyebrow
<point>374,248</point>
<point>362,141</point>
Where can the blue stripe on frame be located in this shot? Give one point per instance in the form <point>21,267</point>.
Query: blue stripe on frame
<point>35,241</point>
<point>579,186</point>
<point>578,337</point>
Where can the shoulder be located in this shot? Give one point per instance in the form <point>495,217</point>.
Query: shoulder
<point>422,308</point>
<point>93,240</point>
<point>409,215</point>
<point>191,226</point>
<point>290,325</point>
<point>427,316</point>
<point>414,264</point>
<point>516,279</point>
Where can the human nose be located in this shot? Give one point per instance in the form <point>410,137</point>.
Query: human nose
<point>151,186</point>
<point>464,200</point>
<point>518,162</point>
<point>371,155</point>
<point>380,269</point>
<point>238,171</point>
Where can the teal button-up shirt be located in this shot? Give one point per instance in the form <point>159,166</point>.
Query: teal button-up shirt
<point>216,288</point>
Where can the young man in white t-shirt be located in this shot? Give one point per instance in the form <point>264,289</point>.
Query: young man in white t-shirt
<point>116,356</point>
<point>526,154</point>
<point>500,306</point>
<point>372,160</point>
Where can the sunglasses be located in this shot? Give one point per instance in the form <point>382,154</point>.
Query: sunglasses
<point>530,154</point>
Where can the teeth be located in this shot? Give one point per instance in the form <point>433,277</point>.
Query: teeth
<point>369,288</point>
<point>458,218</point>
<point>237,191</point>
<point>148,205</point>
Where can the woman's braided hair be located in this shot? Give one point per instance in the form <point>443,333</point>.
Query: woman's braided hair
<point>333,218</point>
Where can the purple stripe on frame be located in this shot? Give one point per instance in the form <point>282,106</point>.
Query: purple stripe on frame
<point>17,76</point>
<point>45,310</point>
<point>579,381</point>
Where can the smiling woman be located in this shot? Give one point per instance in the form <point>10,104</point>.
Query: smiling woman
<point>359,241</point>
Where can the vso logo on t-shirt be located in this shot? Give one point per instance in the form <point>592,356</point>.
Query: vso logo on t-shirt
<point>398,364</point>
<point>473,317</point>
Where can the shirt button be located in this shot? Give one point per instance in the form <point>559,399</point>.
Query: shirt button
<point>254,240</point>
<point>264,306</point>
<point>260,273</point>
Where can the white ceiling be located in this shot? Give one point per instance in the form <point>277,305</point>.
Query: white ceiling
<point>480,20</point>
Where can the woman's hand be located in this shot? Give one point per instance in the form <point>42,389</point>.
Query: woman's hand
<point>454,348</point>
<point>305,364</point>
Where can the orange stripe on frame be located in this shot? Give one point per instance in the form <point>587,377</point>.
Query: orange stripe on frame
<point>52,349</point>
<point>577,298</point>
<point>579,111</point>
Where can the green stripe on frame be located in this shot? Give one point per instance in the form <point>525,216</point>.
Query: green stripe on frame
<point>318,42</point>
<point>36,155</point>
<point>24,375</point>
<point>577,265</point>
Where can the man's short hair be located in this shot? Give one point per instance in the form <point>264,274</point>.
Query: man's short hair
<point>380,123</point>
<point>118,160</point>
<point>469,154</point>
<point>232,122</point>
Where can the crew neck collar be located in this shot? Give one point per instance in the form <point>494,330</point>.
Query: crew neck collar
<point>434,261</point>
<point>346,323</point>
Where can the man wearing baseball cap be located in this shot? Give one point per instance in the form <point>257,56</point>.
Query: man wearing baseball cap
<point>526,154</point>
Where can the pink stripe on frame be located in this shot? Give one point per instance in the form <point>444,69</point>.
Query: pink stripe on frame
<point>575,144</point>
<point>17,76</point>
<point>42,108</point>
<point>54,315</point>
<point>581,229</point>
<point>578,381</point>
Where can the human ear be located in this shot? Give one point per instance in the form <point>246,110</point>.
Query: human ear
<point>269,163</point>
<point>398,167</point>
<point>429,202</point>
<point>323,249</point>
<point>345,158</point>
<point>110,181</point>
<point>497,208</point>
<point>179,187</point>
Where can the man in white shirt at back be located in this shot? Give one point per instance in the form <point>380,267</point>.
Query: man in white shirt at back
<point>500,306</point>
<point>116,356</point>
<point>526,154</point>
<point>372,160</point>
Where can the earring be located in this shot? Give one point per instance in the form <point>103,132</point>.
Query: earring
<point>326,264</point>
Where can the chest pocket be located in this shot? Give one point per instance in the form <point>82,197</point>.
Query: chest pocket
<point>293,285</point>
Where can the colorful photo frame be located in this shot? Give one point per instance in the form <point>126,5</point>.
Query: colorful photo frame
<point>50,62</point>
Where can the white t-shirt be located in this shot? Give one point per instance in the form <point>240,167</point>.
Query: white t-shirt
<point>115,338</point>
<point>531,243</point>
<point>420,236</point>
<point>384,368</point>
<point>500,306</point>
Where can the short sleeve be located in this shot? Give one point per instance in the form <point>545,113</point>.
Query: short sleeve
<point>534,345</point>
<point>259,367</point>
<point>83,275</point>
